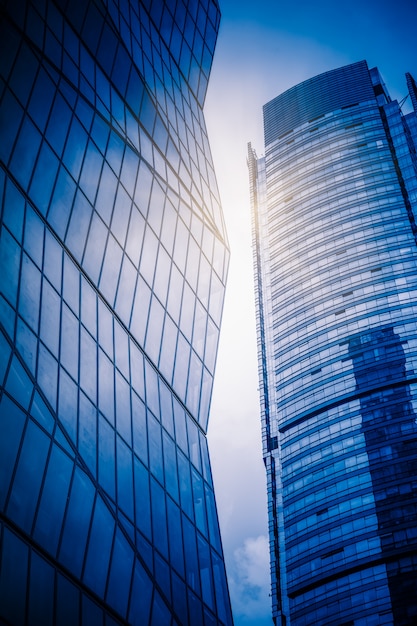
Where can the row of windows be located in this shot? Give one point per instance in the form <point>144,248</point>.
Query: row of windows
<point>362,598</point>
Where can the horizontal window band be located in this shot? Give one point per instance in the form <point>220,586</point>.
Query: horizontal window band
<point>343,571</point>
<point>318,117</point>
<point>327,406</point>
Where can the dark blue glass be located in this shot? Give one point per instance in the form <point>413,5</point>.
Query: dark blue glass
<point>53,500</point>
<point>99,548</point>
<point>13,580</point>
<point>28,477</point>
<point>77,522</point>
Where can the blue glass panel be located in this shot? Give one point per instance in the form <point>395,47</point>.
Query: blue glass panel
<point>18,383</point>
<point>140,311</point>
<point>159,518</point>
<point>75,147</point>
<point>53,261</point>
<point>185,484</point>
<point>57,128</point>
<point>130,166</point>
<point>9,266</point>
<point>121,214</point>
<point>25,152</point>
<point>194,446</point>
<point>170,466</point>
<point>139,423</point>
<point>106,194</point>
<point>69,341</point>
<point>26,342</point>
<point>92,615</point>
<point>28,477</point>
<point>87,433</point>
<point>106,457</point>
<point>140,604</point>
<point>111,269</point>
<point>121,350</point>
<point>94,251</point>
<point>142,498</point>
<point>53,500</point>
<point>182,359</point>
<point>78,226</point>
<point>161,615</point>
<point>120,574</point>
<point>205,571</point>
<point>106,386</point>
<point>105,328</point>
<point>148,257</point>
<point>77,522</point>
<point>123,412</point>
<point>135,236</point>
<point>67,602</point>
<point>191,559</point>
<point>220,586</point>
<point>126,290</point>
<point>12,420</point>
<point>44,178</point>
<point>179,594</point>
<point>91,171</point>
<point>199,502</point>
<point>67,404</point>
<point>34,233</point>
<point>176,550</point>
<point>13,579</point>
<point>180,427</point>
<point>195,608</point>
<point>10,116</point>
<point>41,598</point>
<point>169,344</point>
<point>167,415</point>
<point>152,391</point>
<point>14,210</point>
<point>100,543</point>
<point>124,478</point>
<point>30,287</point>
<point>50,317</point>
<point>88,364</point>
<point>61,203</point>
<point>41,99</point>
<point>48,375</point>
<point>155,448</point>
<point>88,307</point>
<point>154,330</point>
<point>100,133</point>
<point>41,413</point>
<point>5,353</point>
<point>212,518</point>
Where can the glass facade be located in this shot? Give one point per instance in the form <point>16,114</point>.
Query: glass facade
<point>113,262</point>
<point>335,256</point>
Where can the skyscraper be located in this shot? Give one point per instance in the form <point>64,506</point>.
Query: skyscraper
<point>334,200</point>
<point>113,265</point>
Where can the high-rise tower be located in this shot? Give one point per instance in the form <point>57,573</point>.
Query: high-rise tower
<point>334,201</point>
<point>113,265</point>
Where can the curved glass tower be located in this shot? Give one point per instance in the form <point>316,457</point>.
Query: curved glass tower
<point>334,200</point>
<point>113,264</point>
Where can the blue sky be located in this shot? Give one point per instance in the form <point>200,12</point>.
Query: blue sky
<point>265,47</point>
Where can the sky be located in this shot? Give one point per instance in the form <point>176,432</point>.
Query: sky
<point>265,47</point>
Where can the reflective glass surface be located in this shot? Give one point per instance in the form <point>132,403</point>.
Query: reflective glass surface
<point>114,260</point>
<point>333,201</point>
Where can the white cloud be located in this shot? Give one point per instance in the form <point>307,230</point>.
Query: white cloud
<point>249,582</point>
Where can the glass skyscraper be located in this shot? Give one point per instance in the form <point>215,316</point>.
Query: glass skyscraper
<point>334,201</point>
<point>113,265</point>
